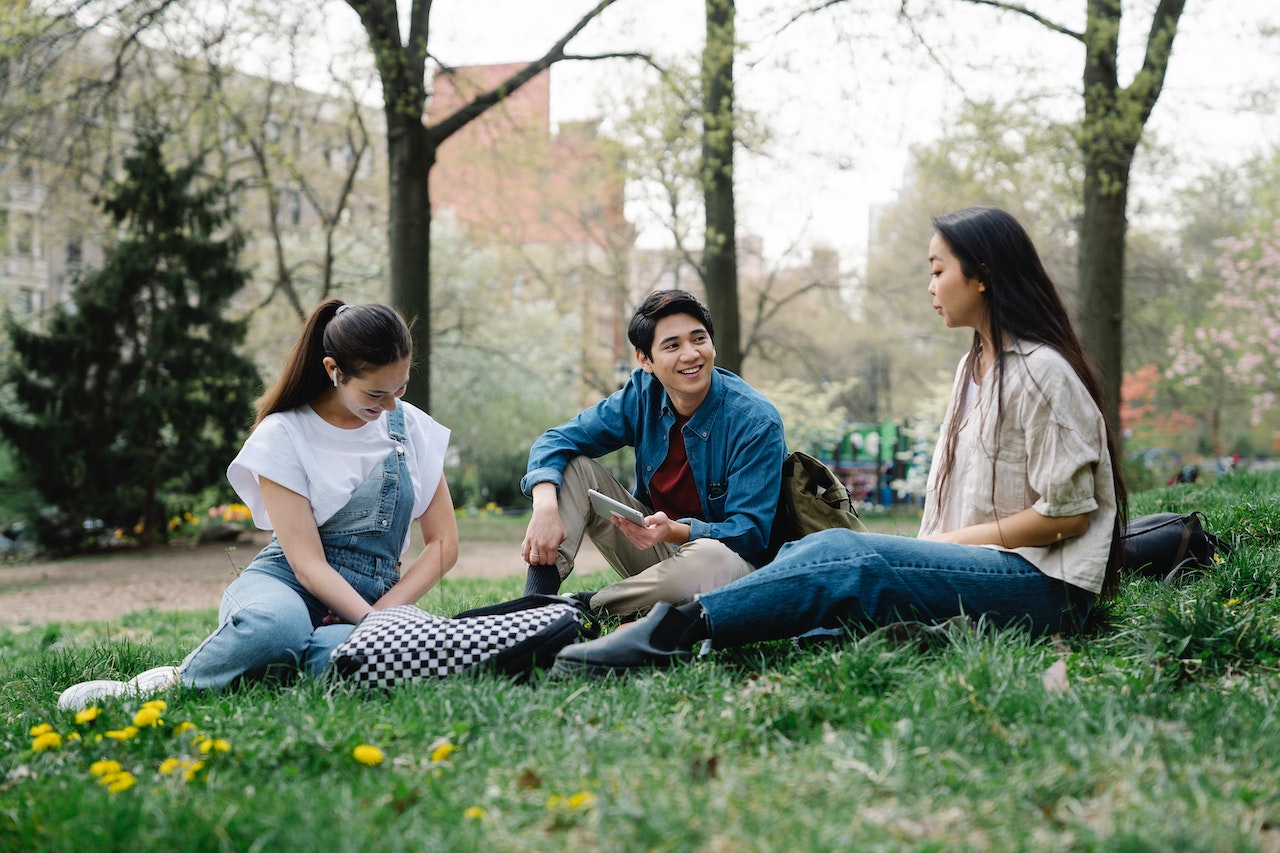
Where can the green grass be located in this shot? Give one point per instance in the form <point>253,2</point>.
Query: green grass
<point>1167,738</point>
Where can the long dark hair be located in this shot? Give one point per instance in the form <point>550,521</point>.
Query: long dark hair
<point>357,337</point>
<point>1021,302</point>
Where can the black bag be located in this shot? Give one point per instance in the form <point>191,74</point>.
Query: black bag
<point>811,498</point>
<point>512,638</point>
<point>1166,545</point>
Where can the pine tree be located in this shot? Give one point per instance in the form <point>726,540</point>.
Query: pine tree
<point>136,392</point>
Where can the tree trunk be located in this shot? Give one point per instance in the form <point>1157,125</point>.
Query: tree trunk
<point>720,254</point>
<point>1114,119</point>
<point>411,155</point>
<point>1101,277</point>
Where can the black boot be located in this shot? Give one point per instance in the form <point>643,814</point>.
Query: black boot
<point>542,580</point>
<point>668,634</point>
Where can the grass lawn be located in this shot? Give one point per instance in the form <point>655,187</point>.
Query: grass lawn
<point>1167,737</point>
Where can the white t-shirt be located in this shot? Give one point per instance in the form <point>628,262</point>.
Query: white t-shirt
<point>326,464</point>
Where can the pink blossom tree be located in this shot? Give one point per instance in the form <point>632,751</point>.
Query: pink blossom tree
<point>1233,356</point>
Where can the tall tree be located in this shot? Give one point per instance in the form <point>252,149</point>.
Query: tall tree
<point>720,252</point>
<point>1114,119</point>
<point>412,147</point>
<point>137,388</point>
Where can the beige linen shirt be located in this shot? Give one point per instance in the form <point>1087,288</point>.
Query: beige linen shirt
<point>1052,456</point>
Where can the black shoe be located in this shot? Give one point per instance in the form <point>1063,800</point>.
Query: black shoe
<point>583,598</point>
<point>666,636</point>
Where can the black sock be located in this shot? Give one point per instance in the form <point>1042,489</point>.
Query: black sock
<point>542,580</point>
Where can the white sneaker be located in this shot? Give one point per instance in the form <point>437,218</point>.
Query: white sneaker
<point>81,695</point>
<point>154,680</point>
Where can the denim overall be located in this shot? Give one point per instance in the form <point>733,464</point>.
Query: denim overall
<point>269,620</point>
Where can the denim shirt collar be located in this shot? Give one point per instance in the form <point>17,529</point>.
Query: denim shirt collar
<point>702,423</point>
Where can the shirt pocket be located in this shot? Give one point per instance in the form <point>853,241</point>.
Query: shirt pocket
<point>717,497</point>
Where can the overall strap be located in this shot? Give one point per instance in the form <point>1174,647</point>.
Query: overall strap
<point>395,424</point>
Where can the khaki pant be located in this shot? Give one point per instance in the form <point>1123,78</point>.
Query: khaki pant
<point>660,573</point>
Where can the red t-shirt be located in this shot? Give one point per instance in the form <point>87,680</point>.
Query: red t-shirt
<point>672,488</point>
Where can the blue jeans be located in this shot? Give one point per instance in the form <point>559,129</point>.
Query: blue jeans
<point>268,621</point>
<point>839,578</point>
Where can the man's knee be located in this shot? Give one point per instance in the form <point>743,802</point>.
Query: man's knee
<point>710,558</point>
<point>711,552</point>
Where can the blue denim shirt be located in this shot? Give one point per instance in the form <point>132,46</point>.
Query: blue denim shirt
<point>734,441</point>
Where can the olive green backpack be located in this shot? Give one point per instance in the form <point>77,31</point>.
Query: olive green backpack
<point>811,498</point>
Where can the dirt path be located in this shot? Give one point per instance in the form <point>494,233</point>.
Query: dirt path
<point>111,586</point>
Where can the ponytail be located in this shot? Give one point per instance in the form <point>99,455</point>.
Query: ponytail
<point>357,337</point>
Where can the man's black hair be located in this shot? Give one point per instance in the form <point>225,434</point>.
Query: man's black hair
<point>659,304</point>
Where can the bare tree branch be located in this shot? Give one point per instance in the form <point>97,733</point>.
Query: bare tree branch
<point>1019,9</point>
<point>451,124</point>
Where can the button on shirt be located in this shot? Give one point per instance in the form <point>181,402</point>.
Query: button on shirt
<point>1049,453</point>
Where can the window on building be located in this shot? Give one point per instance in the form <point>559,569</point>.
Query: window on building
<point>290,207</point>
<point>28,303</point>
<point>24,236</point>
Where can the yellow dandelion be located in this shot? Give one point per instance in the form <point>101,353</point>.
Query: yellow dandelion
<point>442,752</point>
<point>209,745</point>
<point>582,800</point>
<point>147,717</point>
<point>169,765</point>
<point>117,782</point>
<point>473,813</point>
<point>553,801</point>
<point>158,704</point>
<point>174,522</point>
<point>88,715</point>
<point>104,767</point>
<point>42,729</point>
<point>127,733</point>
<point>192,768</point>
<point>46,740</point>
<point>183,727</point>
<point>367,754</point>
<point>73,737</point>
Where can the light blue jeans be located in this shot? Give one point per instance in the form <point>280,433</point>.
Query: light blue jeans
<point>838,579</point>
<point>269,623</point>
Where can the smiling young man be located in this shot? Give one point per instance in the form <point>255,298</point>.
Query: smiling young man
<point>709,451</point>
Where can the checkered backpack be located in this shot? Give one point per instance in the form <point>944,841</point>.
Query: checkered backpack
<point>513,638</point>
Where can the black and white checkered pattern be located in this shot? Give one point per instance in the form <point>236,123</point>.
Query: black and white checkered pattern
<point>406,643</point>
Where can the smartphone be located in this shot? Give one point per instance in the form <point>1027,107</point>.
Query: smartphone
<point>607,506</point>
